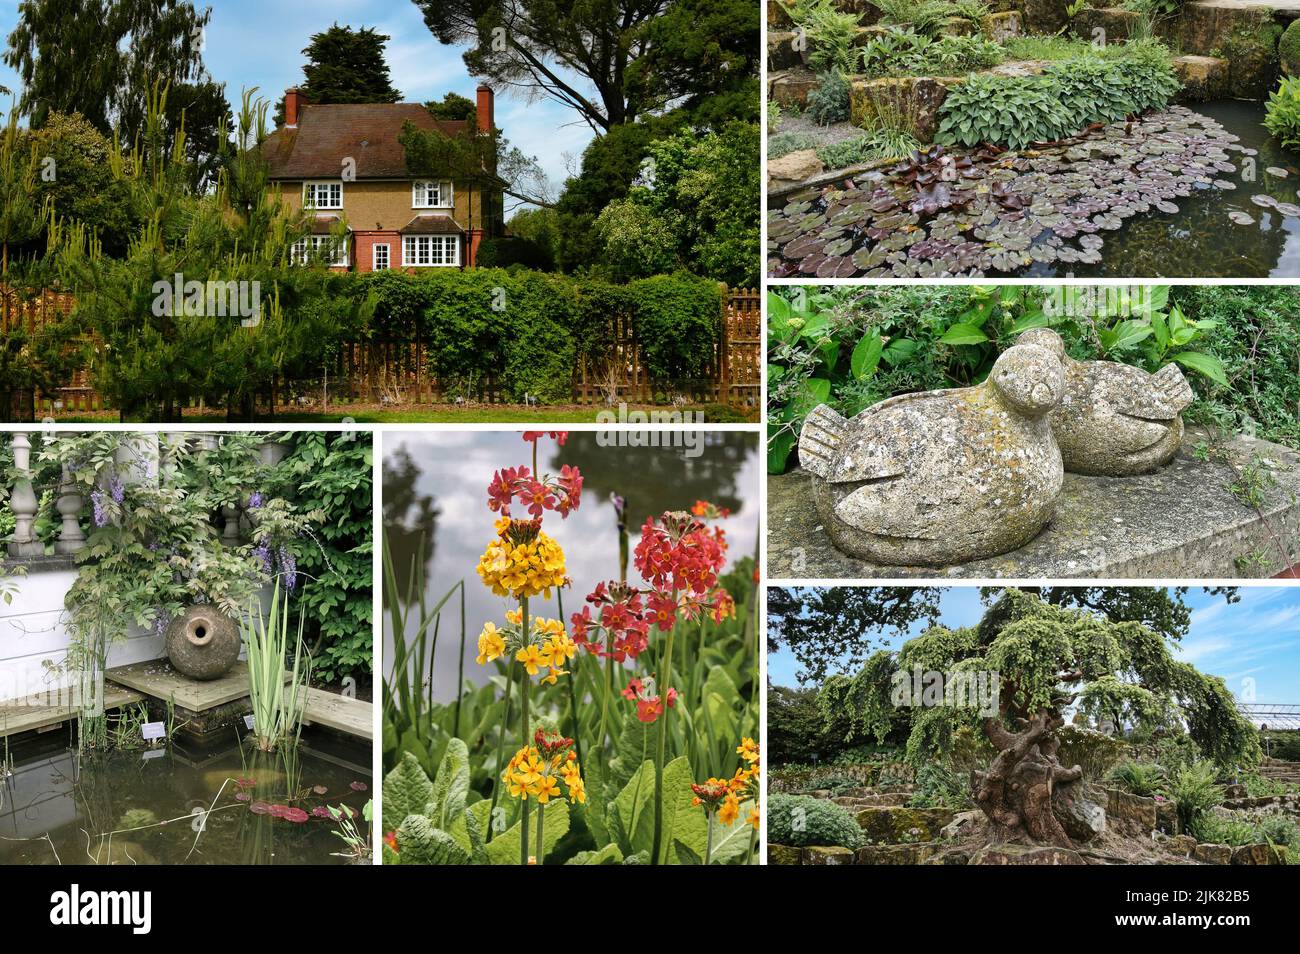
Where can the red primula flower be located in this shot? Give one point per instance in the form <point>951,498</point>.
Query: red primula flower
<point>558,436</point>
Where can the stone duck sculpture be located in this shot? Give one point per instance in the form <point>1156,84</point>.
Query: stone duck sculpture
<point>1115,420</point>
<point>942,477</point>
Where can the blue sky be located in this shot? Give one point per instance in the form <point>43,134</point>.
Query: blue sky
<point>259,43</point>
<point>1254,644</point>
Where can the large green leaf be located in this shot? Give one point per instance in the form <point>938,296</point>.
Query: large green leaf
<point>866,355</point>
<point>683,821</point>
<point>1206,364</point>
<point>632,819</point>
<point>420,843</point>
<point>609,855</point>
<point>504,848</point>
<point>963,334</point>
<point>406,792</point>
<point>451,786</point>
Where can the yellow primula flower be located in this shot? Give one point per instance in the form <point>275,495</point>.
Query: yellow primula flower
<point>547,789</point>
<point>753,817</point>
<point>532,658</point>
<point>522,562</point>
<point>730,809</point>
<point>491,644</point>
<point>748,749</point>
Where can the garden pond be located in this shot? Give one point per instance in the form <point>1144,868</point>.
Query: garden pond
<point>1204,192</point>
<point>434,493</point>
<point>106,808</point>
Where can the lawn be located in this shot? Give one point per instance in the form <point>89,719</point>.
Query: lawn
<point>478,414</point>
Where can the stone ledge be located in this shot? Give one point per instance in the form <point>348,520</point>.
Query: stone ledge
<point>1181,522</point>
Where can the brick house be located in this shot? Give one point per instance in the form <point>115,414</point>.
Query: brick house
<point>345,162</point>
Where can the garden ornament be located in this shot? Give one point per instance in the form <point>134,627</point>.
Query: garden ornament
<point>942,477</point>
<point>1115,420</point>
<point>203,642</point>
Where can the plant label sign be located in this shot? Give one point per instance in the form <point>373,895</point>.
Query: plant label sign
<point>248,721</point>
<point>152,731</point>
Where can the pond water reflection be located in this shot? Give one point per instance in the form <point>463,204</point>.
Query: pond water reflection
<point>106,808</point>
<point>1201,239</point>
<point>435,490</point>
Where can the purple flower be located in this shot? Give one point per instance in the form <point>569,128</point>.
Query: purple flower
<point>289,567</point>
<point>116,489</point>
<point>161,621</point>
<point>101,507</point>
<point>255,500</point>
<point>263,553</point>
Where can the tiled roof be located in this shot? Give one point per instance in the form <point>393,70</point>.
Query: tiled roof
<point>432,223</point>
<point>365,132</point>
<point>322,224</point>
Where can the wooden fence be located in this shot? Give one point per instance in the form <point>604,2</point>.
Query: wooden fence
<point>396,373</point>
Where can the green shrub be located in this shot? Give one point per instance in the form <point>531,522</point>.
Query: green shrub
<point>1288,49</point>
<point>1095,752</point>
<point>801,822</point>
<point>783,144</point>
<point>904,53</point>
<point>678,319</point>
<point>1282,112</point>
<point>1139,778</point>
<point>1196,791</point>
<point>830,33</point>
<point>513,250</point>
<point>829,102</point>
<point>939,787</point>
<point>1014,111</point>
<point>876,145</point>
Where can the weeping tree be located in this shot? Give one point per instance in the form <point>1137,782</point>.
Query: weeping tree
<point>1047,659</point>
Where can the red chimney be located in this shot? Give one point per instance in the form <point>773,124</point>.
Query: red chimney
<point>294,100</point>
<point>484,110</point>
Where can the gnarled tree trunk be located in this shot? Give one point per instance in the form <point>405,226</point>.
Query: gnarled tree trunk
<point>1016,791</point>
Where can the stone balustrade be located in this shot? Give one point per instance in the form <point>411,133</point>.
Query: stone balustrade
<point>140,462</point>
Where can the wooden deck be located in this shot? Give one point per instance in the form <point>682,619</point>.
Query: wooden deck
<point>158,679</point>
<point>340,713</point>
<point>27,715</point>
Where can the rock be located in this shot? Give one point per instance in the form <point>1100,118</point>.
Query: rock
<point>1025,855</point>
<point>1115,419</point>
<point>791,88</point>
<point>1203,77</point>
<point>1134,813</point>
<point>898,825</point>
<point>1236,790</point>
<point>1288,49</point>
<point>1044,16</point>
<point>781,52</point>
<point>913,854</point>
<point>1182,845</point>
<point>1244,36</point>
<point>203,642</point>
<point>1001,26</point>
<point>1082,818</point>
<point>916,99</point>
<point>960,825</point>
<point>1167,819</point>
<point>827,856</point>
<point>1212,854</point>
<point>1258,855</point>
<point>874,800</point>
<point>784,855</point>
<point>778,15</point>
<point>1107,24</point>
<point>942,477</point>
<point>794,167</point>
<point>958,26</point>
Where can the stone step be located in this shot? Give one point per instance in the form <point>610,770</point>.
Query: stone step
<point>1203,77</point>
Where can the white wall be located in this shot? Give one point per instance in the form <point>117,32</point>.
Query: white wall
<point>33,634</point>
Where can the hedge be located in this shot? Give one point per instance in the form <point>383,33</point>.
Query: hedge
<point>529,329</point>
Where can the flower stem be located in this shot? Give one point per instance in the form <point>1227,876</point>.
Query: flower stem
<point>662,689</point>
<point>524,685</point>
<point>541,820</point>
<point>708,844</point>
<point>501,750</point>
<point>609,688</point>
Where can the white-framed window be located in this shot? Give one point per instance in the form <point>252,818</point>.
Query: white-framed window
<point>323,195</point>
<point>325,245</point>
<point>425,251</point>
<point>431,194</point>
<point>380,261</point>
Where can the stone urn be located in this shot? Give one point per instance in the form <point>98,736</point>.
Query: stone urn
<point>203,642</point>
